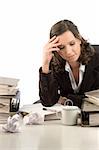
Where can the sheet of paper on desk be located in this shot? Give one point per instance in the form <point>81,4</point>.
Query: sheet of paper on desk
<point>50,113</point>
<point>93,96</point>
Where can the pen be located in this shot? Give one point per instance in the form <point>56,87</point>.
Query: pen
<point>48,109</point>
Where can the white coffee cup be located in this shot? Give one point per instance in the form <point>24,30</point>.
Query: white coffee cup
<point>70,115</point>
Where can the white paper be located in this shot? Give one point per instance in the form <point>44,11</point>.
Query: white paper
<point>13,124</point>
<point>33,118</point>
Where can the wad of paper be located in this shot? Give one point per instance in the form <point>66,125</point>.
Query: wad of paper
<point>33,118</point>
<point>13,124</point>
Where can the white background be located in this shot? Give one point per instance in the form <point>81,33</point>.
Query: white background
<point>24,29</point>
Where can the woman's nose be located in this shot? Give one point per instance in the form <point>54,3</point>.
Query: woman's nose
<point>68,50</point>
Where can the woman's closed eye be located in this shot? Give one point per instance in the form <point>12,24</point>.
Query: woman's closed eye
<point>61,47</point>
<point>72,43</point>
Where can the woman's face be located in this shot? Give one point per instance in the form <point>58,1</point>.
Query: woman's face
<point>70,49</point>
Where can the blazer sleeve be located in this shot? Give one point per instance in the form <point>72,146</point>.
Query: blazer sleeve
<point>48,88</point>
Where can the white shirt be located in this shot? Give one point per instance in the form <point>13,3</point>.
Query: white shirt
<point>71,76</point>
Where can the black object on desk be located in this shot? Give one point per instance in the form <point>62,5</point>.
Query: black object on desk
<point>15,102</point>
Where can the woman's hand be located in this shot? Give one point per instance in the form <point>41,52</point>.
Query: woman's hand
<point>48,50</point>
<point>62,100</point>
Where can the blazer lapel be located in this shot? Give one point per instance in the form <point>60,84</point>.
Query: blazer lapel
<point>88,79</point>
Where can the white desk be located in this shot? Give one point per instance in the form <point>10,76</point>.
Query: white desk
<point>51,136</point>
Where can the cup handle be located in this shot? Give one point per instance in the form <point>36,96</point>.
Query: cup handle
<point>68,101</point>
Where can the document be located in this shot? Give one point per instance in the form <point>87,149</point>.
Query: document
<point>50,113</point>
<point>93,97</point>
<point>89,114</point>
<point>90,109</point>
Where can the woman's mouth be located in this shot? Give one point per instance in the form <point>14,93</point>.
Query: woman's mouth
<point>71,57</point>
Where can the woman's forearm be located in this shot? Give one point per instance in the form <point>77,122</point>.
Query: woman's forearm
<point>48,89</point>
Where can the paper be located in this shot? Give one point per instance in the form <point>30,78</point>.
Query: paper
<point>8,81</point>
<point>13,124</point>
<point>93,96</point>
<point>33,118</point>
<point>89,114</point>
<point>50,113</point>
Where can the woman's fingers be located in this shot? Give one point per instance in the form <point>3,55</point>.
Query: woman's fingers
<point>54,49</point>
<point>52,39</point>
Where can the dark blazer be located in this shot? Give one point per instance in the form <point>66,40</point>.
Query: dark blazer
<point>51,86</point>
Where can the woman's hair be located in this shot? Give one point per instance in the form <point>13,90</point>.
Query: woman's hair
<point>87,51</point>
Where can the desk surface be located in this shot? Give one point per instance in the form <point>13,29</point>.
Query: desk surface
<point>51,136</point>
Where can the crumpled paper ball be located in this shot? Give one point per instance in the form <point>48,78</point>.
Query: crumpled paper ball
<point>33,118</point>
<point>13,124</point>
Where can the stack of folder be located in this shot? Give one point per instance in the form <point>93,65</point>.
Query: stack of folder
<point>9,97</point>
<point>90,109</point>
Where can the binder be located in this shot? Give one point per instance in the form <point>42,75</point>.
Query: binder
<point>89,114</point>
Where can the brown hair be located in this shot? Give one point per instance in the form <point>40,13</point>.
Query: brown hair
<point>87,51</point>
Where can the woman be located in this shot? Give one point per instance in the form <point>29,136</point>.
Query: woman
<point>70,66</point>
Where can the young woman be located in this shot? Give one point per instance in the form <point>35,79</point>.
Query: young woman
<point>70,66</point>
